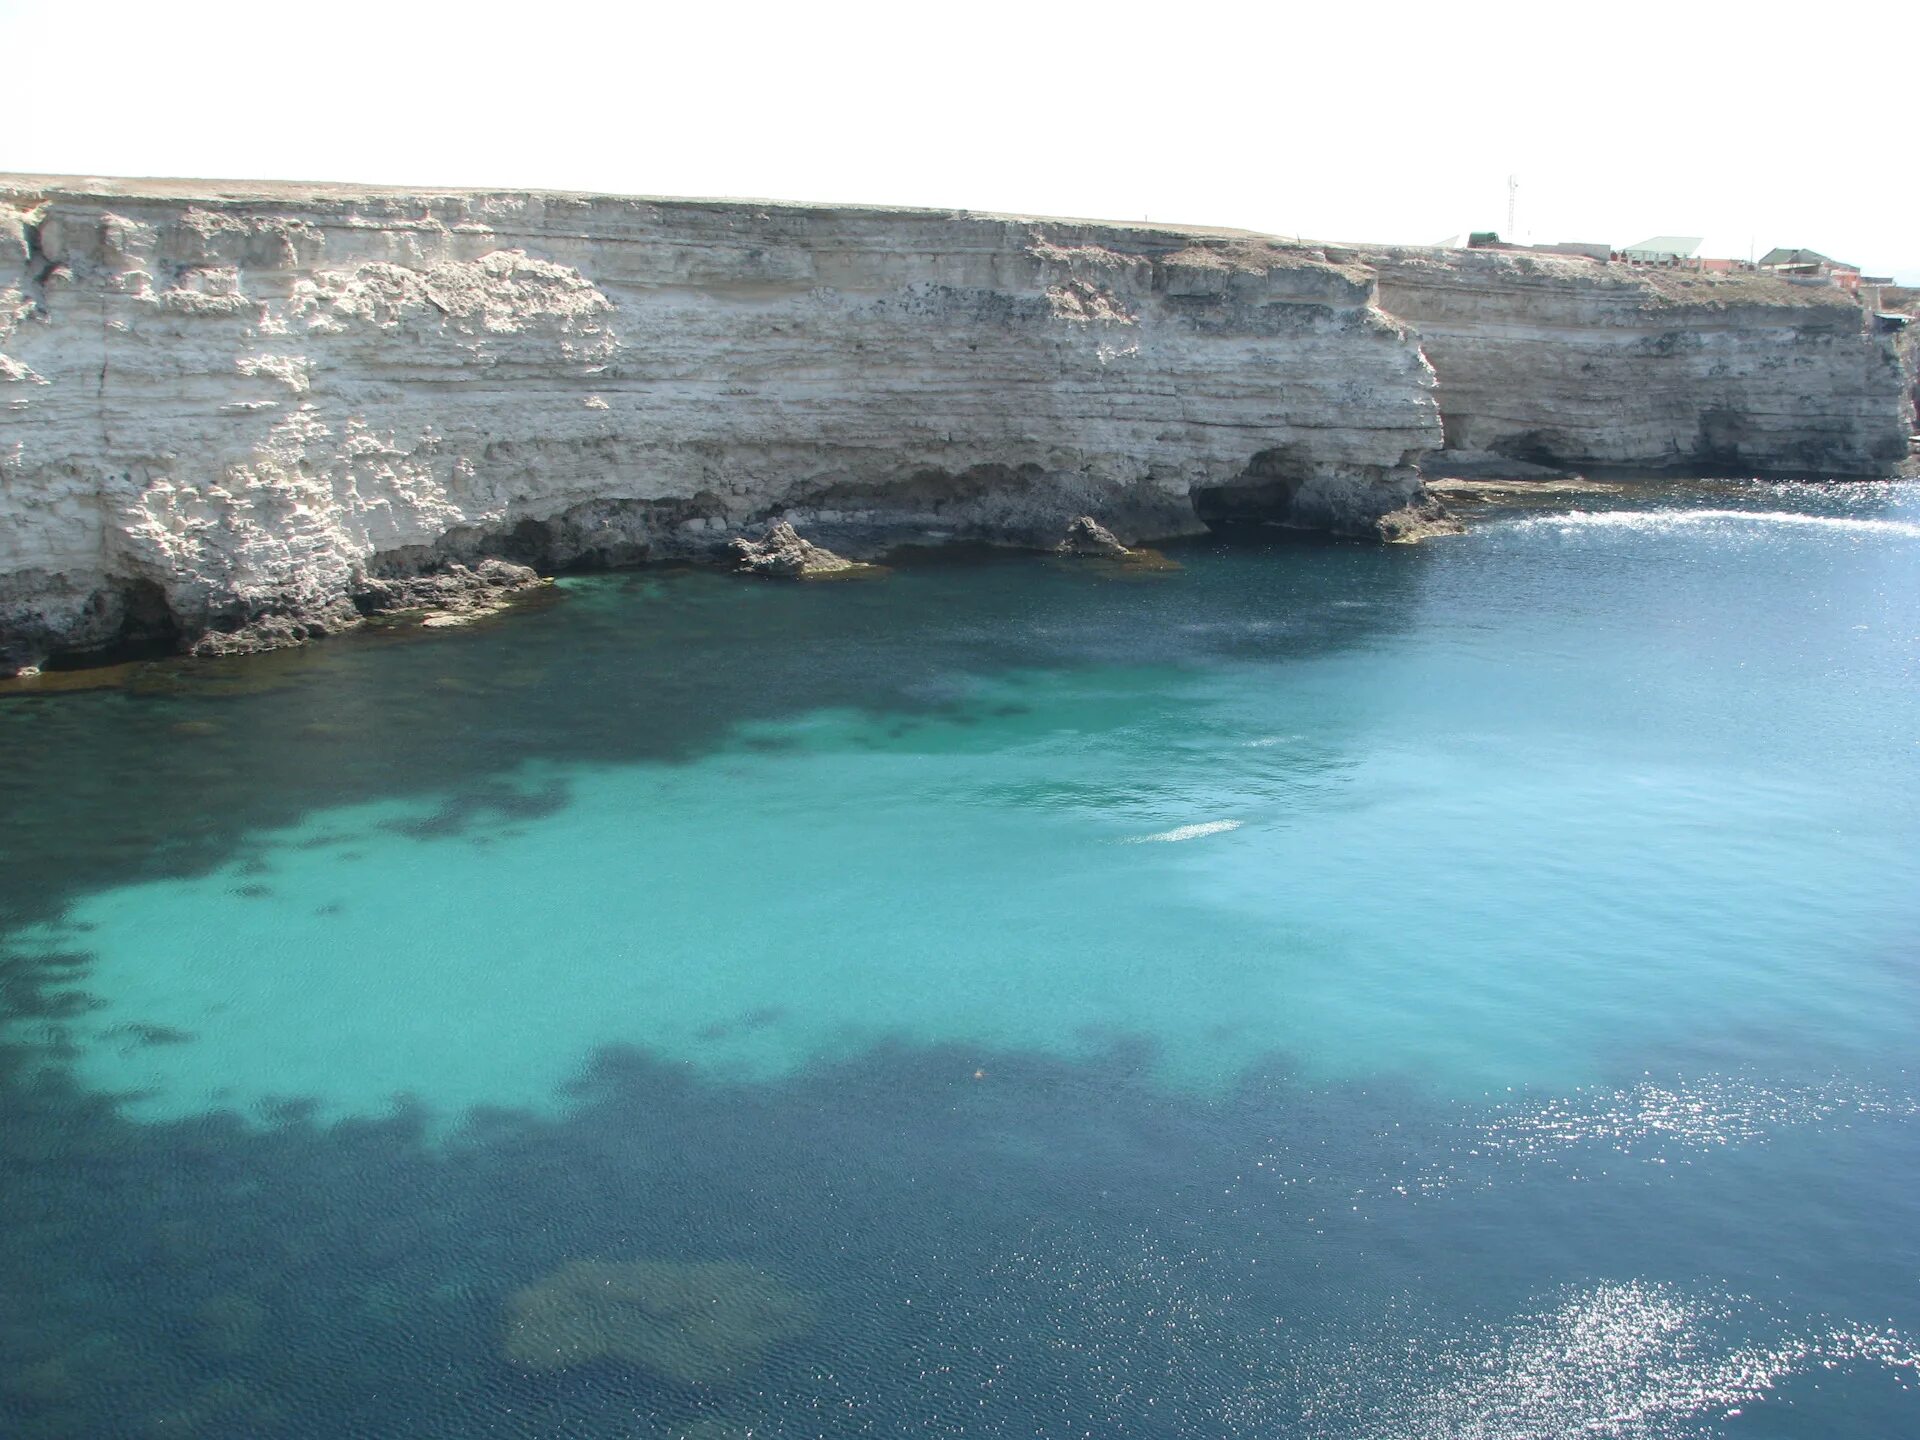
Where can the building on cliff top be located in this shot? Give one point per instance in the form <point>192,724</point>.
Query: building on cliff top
<point>1490,240</point>
<point>1662,250</point>
<point>1811,265</point>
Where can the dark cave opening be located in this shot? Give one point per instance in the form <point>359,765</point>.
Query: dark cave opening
<point>1265,491</point>
<point>138,625</point>
<point>1533,447</point>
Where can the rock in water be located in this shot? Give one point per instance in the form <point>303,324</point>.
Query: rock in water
<point>451,595</point>
<point>1088,539</point>
<point>689,1324</point>
<point>1418,521</point>
<point>454,595</point>
<point>784,555</point>
<point>1087,536</point>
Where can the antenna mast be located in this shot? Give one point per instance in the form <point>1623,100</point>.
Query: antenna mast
<point>1513,191</point>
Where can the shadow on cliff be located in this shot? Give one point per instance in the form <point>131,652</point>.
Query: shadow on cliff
<point>168,775</point>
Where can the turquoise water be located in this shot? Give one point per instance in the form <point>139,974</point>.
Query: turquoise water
<point>1545,896</point>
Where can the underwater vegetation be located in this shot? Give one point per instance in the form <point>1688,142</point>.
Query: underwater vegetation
<point>696,1324</point>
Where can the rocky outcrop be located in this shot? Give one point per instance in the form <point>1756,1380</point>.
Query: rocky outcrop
<point>1421,520</point>
<point>1090,545</point>
<point>230,409</point>
<point>1566,363</point>
<point>452,594</point>
<point>1087,536</point>
<point>783,555</point>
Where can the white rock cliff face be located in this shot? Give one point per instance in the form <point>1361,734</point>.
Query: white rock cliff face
<point>1568,363</point>
<point>224,409</point>
<point>239,415</point>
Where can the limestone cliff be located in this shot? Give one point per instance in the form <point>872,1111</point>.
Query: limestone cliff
<point>1570,363</point>
<point>232,410</point>
<point>239,415</point>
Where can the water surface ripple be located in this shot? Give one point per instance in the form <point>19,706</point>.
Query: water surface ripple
<point>1327,991</point>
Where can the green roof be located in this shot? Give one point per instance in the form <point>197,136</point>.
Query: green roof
<point>1778,256</point>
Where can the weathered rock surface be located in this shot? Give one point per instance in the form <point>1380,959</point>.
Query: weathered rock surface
<point>782,555</point>
<point>452,594</point>
<point>1423,519</point>
<point>1087,536</point>
<point>241,415</point>
<point>223,408</point>
<point>1564,363</point>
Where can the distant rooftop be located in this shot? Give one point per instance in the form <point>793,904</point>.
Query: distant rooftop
<point>1667,245</point>
<point>1803,257</point>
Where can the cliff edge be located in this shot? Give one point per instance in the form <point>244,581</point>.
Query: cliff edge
<point>225,410</point>
<point>1568,363</point>
<point>238,415</point>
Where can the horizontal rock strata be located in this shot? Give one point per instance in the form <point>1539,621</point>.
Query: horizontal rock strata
<point>242,415</point>
<point>228,409</point>
<point>1566,363</point>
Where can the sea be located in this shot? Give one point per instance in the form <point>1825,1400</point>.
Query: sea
<point>1464,991</point>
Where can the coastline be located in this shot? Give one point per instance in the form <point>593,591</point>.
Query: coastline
<point>240,415</point>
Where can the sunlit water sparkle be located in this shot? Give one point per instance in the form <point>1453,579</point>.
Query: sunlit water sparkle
<point>1325,991</point>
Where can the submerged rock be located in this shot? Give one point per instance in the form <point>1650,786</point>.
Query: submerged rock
<point>691,1324</point>
<point>1087,536</point>
<point>784,555</point>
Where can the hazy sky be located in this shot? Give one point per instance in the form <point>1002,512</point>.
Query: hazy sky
<point>1750,125</point>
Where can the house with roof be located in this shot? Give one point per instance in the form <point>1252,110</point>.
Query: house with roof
<point>1811,265</point>
<point>1662,250</point>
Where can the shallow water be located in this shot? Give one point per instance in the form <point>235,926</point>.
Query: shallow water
<point>1336,991</point>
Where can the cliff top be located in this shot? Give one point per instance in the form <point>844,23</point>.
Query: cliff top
<point>226,192</point>
<point>1200,246</point>
<point>1654,286</point>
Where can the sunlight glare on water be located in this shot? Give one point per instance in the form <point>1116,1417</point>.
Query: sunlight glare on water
<point>1458,990</point>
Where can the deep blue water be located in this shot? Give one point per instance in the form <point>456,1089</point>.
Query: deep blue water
<point>1462,990</point>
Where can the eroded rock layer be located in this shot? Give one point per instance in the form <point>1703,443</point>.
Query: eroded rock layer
<point>1568,363</point>
<point>234,416</point>
<point>239,411</point>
